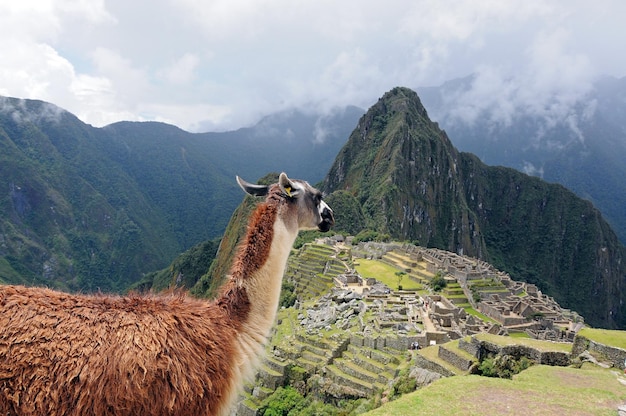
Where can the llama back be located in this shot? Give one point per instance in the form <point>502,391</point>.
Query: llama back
<point>77,354</point>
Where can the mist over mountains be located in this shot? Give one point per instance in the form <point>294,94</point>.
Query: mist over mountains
<point>576,138</point>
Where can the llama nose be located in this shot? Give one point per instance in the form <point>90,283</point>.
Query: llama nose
<point>327,219</point>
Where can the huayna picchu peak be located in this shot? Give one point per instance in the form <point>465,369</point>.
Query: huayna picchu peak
<point>412,184</point>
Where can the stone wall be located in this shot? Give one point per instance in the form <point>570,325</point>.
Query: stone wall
<point>616,355</point>
<point>484,349</point>
<point>423,362</point>
<point>454,359</point>
<point>470,347</point>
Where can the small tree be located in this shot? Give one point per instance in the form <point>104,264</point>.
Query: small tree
<point>438,282</point>
<point>400,276</point>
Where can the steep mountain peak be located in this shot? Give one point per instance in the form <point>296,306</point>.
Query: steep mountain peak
<point>400,166</point>
<point>401,99</point>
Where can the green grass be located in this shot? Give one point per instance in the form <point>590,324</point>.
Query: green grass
<point>540,390</point>
<point>540,345</point>
<point>385,273</point>
<point>519,335</point>
<point>605,336</point>
<point>474,312</point>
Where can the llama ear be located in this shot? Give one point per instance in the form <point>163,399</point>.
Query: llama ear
<point>255,190</point>
<point>287,186</point>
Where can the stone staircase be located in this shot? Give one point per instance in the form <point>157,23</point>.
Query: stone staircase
<point>313,269</point>
<point>364,370</point>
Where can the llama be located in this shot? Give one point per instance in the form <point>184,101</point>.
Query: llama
<point>154,354</point>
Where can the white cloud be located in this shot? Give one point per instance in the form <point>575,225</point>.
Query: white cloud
<point>554,78</point>
<point>35,70</point>
<point>183,71</point>
<point>224,63</point>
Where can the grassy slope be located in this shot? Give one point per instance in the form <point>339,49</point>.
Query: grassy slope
<point>538,344</point>
<point>605,336</point>
<point>540,390</point>
<point>384,273</point>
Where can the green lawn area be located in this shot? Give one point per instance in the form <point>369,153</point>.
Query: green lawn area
<point>529,342</point>
<point>605,336</point>
<point>474,312</point>
<point>519,335</point>
<point>385,273</point>
<point>540,390</point>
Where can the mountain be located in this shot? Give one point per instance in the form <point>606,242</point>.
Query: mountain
<point>411,183</point>
<point>86,208</point>
<point>575,140</point>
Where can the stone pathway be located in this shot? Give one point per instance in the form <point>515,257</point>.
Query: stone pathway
<point>428,324</point>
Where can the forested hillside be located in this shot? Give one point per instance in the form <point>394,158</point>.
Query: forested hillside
<point>88,209</point>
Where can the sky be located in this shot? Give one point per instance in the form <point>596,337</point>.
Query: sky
<point>216,65</point>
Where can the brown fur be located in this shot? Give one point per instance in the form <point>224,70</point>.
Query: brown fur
<point>252,254</point>
<point>256,245</point>
<point>109,355</point>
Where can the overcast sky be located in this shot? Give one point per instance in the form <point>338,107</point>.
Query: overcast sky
<point>213,65</point>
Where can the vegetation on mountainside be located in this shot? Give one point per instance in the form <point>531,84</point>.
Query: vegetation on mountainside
<point>71,219</point>
<point>347,212</point>
<point>90,209</point>
<point>184,272</point>
<point>287,401</point>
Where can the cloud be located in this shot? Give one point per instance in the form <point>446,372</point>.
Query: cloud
<point>551,86</point>
<point>35,70</point>
<point>222,64</point>
<point>182,71</point>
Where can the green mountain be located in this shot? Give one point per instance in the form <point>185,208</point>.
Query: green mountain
<point>580,145</point>
<point>87,209</point>
<point>71,217</point>
<point>411,183</point>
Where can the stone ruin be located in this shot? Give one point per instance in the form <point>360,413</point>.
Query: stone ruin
<point>515,306</point>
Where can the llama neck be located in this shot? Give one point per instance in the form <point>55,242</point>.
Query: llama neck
<point>263,287</point>
<point>256,275</point>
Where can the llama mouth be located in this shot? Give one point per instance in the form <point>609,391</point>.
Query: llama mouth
<point>324,226</point>
<point>327,221</point>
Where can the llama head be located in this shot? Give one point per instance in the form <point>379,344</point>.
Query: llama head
<point>304,201</point>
